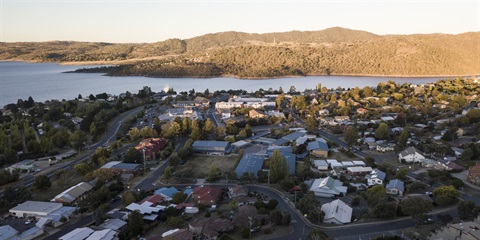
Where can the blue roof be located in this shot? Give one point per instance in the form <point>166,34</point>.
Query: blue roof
<point>188,191</point>
<point>282,149</point>
<point>169,192</point>
<point>223,144</point>
<point>317,145</point>
<point>249,163</point>
<point>279,142</point>
<point>130,166</point>
<point>293,136</point>
<point>395,183</point>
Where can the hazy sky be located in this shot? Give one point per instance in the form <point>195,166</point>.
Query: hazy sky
<point>157,20</point>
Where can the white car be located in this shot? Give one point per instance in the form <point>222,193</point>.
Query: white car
<point>28,222</point>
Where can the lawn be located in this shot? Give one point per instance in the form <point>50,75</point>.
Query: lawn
<point>200,163</point>
<point>67,180</point>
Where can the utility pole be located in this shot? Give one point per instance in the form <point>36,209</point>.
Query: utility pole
<point>144,160</point>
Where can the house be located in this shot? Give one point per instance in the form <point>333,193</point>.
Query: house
<point>201,102</point>
<point>410,154</point>
<point>166,193</point>
<point>9,233</point>
<point>361,111</point>
<point>474,174</point>
<point>114,224</point>
<point>77,234</point>
<point>177,234</point>
<point>206,195</point>
<point>318,148</point>
<point>25,165</point>
<point>395,187</point>
<point>428,163</point>
<point>321,165</point>
<point>151,147</point>
<point>183,104</point>
<point>250,163</point>
<point>154,199</point>
<point>323,112</point>
<point>238,190</point>
<point>256,114</point>
<point>337,212</point>
<point>118,167</point>
<point>384,147</point>
<point>219,147</point>
<point>376,177</point>
<point>360,170</point>
<point>210,228</point>
<point>459,231</point>
<point>328,187</point>
<point>35,209</point>
<point>73,194</point>
<point>457,151</point>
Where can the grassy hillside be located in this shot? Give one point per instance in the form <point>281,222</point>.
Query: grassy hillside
<point>335,51</point>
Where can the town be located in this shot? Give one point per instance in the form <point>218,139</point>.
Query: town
<point>386,162</point>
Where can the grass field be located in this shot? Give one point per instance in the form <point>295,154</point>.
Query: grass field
<point>200,163</point>
<point>67,180</point>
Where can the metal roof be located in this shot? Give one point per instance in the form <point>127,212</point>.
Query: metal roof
<point>222,144</point>
<point>36,206</point>
<point>249,163</point>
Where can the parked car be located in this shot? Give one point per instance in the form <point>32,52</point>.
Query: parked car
<point>28,222</point>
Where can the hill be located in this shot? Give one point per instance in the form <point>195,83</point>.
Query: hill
<point>336,51</point>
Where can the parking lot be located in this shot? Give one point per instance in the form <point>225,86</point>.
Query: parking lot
<point>19,224</point>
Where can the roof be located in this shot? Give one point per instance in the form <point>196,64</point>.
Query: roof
<point>129,166</point>
<point>378,174</point>
<point>207,193</point>
<point>328,185</point>
<point>223,144</point>
<point>105,234</point>
<point>317,145</point>
<point>293,136</point>
<point>199,99</point>
<point>155,199</point>
<point>359,169</point>
<point>78,233</point>
<point>291,159</point>
<point>338,210</point>
<point>320,163</point>
<point>359,163</point>
<point>474,170</point>
<point>249,163</point>
<point>240,144</point>
<point>169,192</point>
<point>409,151</point>
<point>144,208</point>
<point>36,206</point>
<point>395,183</point>
<point>73,193</point>
<point>8,232</point>
<point>280,142</point>
<point>113,223</point>
<point>282,149</point>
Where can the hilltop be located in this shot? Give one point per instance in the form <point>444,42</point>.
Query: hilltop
<point>333,51</point>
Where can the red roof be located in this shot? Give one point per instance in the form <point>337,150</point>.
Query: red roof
<point>155,199</point>
<point>206,195</point>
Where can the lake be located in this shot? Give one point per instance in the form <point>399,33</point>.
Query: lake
<point>46,81</point>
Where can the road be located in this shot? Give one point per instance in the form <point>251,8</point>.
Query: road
<point>110,135</point>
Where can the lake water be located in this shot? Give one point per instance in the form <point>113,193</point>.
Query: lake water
<point>46,81</point>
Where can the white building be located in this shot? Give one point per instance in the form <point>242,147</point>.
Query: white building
<point>321,165</point>
<point>328,187</point>
<point>395,187</point>
<point>337,212</point>
<point>376,177</point>
<point>35,209</point>
<point>410,154</point>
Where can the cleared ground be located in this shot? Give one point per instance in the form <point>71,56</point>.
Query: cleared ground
<point>201,163</point>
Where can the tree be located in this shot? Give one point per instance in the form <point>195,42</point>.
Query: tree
<point>382,132</point>
<point>307,203</point>
<point>132,156</point>
<point>179,197</point>
<point>276,217</point>
<point>445,195</point>
<point>174,160</point>
<point>78,139</point>
<point>401,173</point>
<point>278,167</point>
<point>351,136</point>
<point>42,182</point>
<point>402,140</point>
<point>416,207</point>
<point>128,198</point>
<point>316,234</point>
<point>375,194</point>
<point>311,124</point>
<point>167,173</point>
<point>209,126</point>
<point>384,209</point>
<point>135,224</point>
<point>466,209</point>
<point>82,168</point>
<point>248,130</point>
<point>286,219</point>
<point>196,133</point>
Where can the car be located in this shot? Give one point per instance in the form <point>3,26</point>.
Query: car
<point>28,222</point>
<point>428,193</point>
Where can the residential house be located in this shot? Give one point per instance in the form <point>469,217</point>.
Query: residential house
<point>25,165</point>
<point>376,177</point>
<point>9,233</point>
<point>428,163</point>
<point>177,234</point>
<point>151,147</point>
<point>201,102</point>
<point>154,199</point>
<point>385,147</point>
<point>395,187</point>
<point>323,112</point>
<point>73,194</point>
<point>321,165</point>
<point>275,113</point>
<point>256,114</point>
<point>166,193</point>
<point>210,228</point>
<point>360,170</point>
<point>183,104</point>
<point>458,231</point>
<point>318,148</point>
<point>238,190</point>
<point>206,195</point>
<point>118,167</point>
<point>410,154</point>
<point>361,111</point>
<point>337,212</point>
<point>474,174</point>
<point>114,224</point>
<point>328,187</point>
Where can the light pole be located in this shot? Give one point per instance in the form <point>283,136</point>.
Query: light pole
<point>144,162</point>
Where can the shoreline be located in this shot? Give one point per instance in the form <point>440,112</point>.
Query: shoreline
<point>100,63</point>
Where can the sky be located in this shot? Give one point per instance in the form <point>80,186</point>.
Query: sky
<point>124,21</point>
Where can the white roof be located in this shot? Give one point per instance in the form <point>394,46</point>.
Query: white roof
<point>144,208</point>
<point>320,163</point>
<point>359,163</point>
<point>8,232</point>
<point>77,234</point>
<point>36,206</point>
<point>113,223</point>
<point>105,234</point>
<point>359,169</point>
<point>330,161</point>
<point>337,210</point>
<point>348,164</point>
